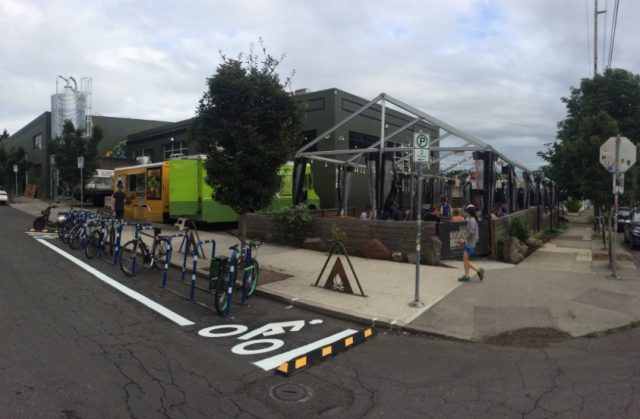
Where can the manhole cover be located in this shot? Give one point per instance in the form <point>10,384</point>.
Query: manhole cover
<point>289,392</point>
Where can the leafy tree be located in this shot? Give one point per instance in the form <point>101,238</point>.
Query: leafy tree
<point>4,135</point>
<point>602,107</point>
<point>248,125</point>
<point>9,158</point>
<point>72,145</point>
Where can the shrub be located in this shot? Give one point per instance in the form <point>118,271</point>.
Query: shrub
<point>338,236</point>
<point>293,224</point>
<point>499,248</point>
<point>573,205</point>
<point>520,228</point>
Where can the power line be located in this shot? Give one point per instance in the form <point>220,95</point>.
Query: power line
<point>614,25</point>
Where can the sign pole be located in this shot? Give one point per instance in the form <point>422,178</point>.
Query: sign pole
<point>614,229</point>
<point>420,155</point>
<point>81,166</point>
<point>15,170</point>
<point>81,190</point>
<point>416,299</point>
<point>624,157</point>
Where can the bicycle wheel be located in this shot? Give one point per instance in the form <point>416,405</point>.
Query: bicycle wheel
<point>222,286</point>
<point>110,241</point>
<point>160,253</point>
<point>93,244</point>
<point>65,232</point>
<point>252,279</point>
<point>78,239</point>
<point>132,257</point>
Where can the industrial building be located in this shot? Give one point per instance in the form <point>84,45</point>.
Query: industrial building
<point>36,135</point>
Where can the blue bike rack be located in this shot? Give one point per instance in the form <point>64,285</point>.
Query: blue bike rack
<point>167,260</point>
<point>199,246</point>
<point>118,249</point>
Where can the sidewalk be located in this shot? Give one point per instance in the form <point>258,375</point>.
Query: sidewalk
<point>561,286</point>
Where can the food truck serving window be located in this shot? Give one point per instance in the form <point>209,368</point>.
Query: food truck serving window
<point>154,183</point>
<point>135,183</point>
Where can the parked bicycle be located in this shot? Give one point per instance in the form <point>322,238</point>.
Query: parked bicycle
<point>240,271</point>
<point>102,240</point>
<point>136,254</point>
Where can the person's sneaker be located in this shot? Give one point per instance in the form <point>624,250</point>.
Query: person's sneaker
<point>481,274</point>
<point>463,279</point>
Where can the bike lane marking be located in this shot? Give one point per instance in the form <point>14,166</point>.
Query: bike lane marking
<point>158,308</point>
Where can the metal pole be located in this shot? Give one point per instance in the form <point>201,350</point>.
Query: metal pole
<point>595,38</point>
<point>81,190</point>
<point>416,301</point>
<point>614,229</point>
<point>16,183</point>
<point>381,171</point>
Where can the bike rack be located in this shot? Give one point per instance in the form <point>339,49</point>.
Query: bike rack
<point>167,260</point>
<point>199,247</point>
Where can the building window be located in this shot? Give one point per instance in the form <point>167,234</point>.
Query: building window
<point>175,147</point>
<point>37,142</point>
<point>135,183</point>
<point>309,136</point>
<point>358,140</point>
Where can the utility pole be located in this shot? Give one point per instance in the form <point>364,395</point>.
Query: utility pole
<point>596,12</point>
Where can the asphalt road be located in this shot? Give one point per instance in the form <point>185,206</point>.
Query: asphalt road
<point>75,347</point>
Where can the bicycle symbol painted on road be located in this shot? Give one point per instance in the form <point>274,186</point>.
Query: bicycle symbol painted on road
<point>270,329</point>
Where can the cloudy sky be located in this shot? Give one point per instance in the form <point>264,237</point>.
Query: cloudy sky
<point>495,69</point>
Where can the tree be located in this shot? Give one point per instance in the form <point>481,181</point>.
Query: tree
<point>248,125</point>
<point>72,145</point>
<point>7,160</point>
<point>4,135</point>
<point>607,105</point>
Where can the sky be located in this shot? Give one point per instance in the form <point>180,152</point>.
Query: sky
<point>494,69</point>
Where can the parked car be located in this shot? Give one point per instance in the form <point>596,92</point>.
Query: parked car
<point>4,198</point>
<point>632,229</point>
<point>624,214</point>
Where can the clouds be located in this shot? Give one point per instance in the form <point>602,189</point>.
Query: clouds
<point>495,69</point>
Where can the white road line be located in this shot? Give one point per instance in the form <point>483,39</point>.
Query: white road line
<point>174,317</point>
<point>277,360</point>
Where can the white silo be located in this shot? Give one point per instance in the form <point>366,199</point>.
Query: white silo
<point>70,104</point>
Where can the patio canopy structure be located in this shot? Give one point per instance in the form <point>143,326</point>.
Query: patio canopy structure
<point>391,157</point>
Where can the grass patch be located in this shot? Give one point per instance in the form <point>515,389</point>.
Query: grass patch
<point>628,326</point>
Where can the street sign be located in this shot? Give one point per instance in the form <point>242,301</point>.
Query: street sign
<point>15,168</point>
<point>626,154</point>
<point>80,162</point>
<point>420,147</point>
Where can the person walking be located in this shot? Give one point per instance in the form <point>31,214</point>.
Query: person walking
<point>470,239</point>
<point>118,204</point>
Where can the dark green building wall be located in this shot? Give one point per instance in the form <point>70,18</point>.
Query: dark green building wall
<point>114,130</point>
